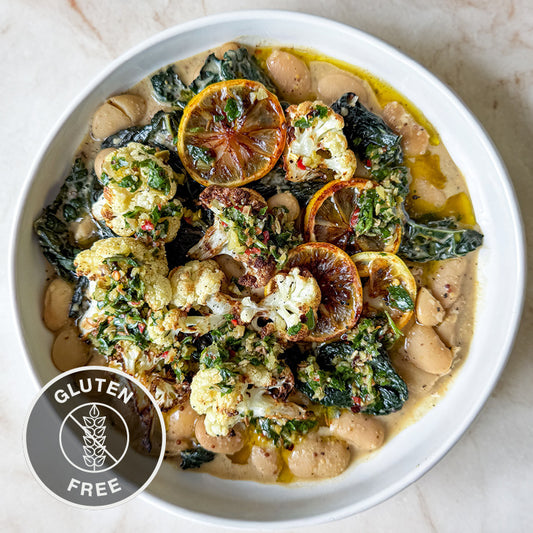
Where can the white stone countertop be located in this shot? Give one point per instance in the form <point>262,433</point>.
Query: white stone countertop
<point>483,49</point>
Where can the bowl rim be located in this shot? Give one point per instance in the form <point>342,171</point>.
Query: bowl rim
<point>268,16</point>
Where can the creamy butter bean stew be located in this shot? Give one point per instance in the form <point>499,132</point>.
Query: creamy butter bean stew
<point>278,246</point>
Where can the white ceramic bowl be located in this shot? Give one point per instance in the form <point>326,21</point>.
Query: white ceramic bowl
<point>407,456</point>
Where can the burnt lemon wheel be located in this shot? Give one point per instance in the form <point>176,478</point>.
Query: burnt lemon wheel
<point>231,133</point>
<point>388,285</point>
<point>332,215</point>
<point>336,274</point>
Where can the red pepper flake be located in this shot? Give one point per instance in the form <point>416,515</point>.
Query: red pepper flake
<point>224,224</point>
<point>234,321</point>
<point>300,164</point>
<point>354,218</point>
<point>164,354</point>
<point>368,163</point>
<point>147,226</point>
<point>257,231</point>
<point>253,251</point>
<point>357,404</point>
<point>266,236</point>
<point>142,327</point>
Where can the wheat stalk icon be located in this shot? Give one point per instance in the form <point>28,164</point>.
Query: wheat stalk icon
<point>94,439</point>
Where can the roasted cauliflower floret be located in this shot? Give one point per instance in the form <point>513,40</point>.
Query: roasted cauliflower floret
<point>214,397</point>
<point>194,283</point>
<point>291,303</point>
<point>316,145</point>
<point>122,264</point>
<point>246,230</point>
<point>197,285</point>
<point>238,231</point>
<point>138,194</point>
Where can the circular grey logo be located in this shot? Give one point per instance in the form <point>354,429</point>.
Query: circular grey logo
<point>94,437</point>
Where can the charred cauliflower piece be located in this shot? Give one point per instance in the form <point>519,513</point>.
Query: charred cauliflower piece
<point>138,194</point>
<point>197,285</point>
<point>316,145</point>
<point>211,397</point>
<point>291,303</point>
<point>245,230</point>
<point>194,283</point>
<point>129,269</point>
<point>240,377</point>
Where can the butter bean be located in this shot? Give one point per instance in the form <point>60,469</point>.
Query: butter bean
<point>425,350</point>
<point>332,86</point>
<point>68,350</point>
<point>223,48</point>
<point>56,306</point>
<point>118,112</point>
<point>317,457</point>
<point>229,444</point>
<point>99,159</point>
<point>288,201</point>
<point>415,138</point>
<point>446,282</point>
<point>267,462</point>
<point>364,432</point>
<point>290,75</point>
<point>429,311</point>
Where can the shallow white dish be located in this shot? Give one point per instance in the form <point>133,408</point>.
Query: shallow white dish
<point>420,446</point>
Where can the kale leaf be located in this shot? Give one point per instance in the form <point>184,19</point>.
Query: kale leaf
<point>195,457</point>
<point>160,133</point>
<point>169,89</point>
<point>283,433</point>
<point>437,240</point>
<point>356,374</point>
<point>236,64</point>
<point>72,202</point>
<point>376,145</point>
<point>380,150</point>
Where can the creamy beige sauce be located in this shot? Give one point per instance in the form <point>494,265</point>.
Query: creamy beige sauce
<point>437,186</point>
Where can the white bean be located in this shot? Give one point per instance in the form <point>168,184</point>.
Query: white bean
<point>446,282</point>
<point>133,106</point>
<point>290,75</point>
<point>429,311</point>
<point>57,299</point>
<point>119,112</point>
<point>84,231</point>
<point>331,87</point>
<point>425,350</point>
<point>317,457</point>
<point>364,432</point>
<point>448,329</point>
<point>229,444</point>
<point>99,159</point>
<point>267,462</point>
<point>286,200</point>
<point>181,421</point>
<point>68,350</point>
<point>223,48</point>
<point>415,138</point>
<point>180,429</point>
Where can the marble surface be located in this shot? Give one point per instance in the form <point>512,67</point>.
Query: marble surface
<point>482,49</point>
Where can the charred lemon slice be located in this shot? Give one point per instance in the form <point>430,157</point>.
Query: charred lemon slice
<point>231,133</point>
<point>340,286</point>
<point>345,213</point>
<point>389,286</point>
